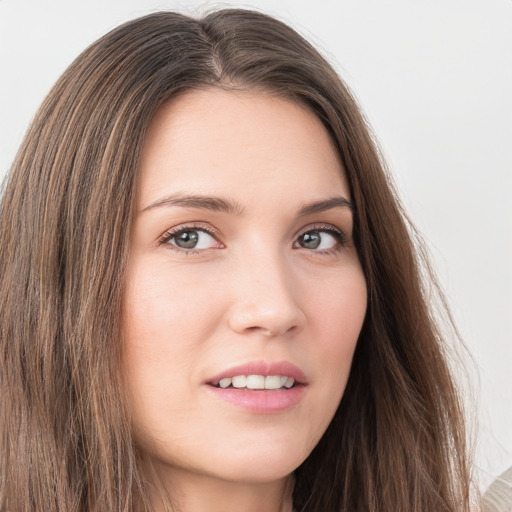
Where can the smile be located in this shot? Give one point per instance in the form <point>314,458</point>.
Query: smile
<point>256,382</point>
<point>259,387</point>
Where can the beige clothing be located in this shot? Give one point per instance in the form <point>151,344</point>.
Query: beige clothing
<point>498,497</point>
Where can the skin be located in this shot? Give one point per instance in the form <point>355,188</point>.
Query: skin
<point>252,289</point>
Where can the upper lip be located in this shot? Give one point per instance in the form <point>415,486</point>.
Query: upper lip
<point>264,368</point>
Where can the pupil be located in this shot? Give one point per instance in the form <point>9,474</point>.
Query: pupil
<point>187,239</point>
<point>311,240</point>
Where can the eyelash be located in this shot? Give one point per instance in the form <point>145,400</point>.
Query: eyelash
<point>326,228</point>
<point>336,233</point>
<point>172,233</point>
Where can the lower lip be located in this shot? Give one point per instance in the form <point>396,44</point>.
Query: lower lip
<point>260,401</point>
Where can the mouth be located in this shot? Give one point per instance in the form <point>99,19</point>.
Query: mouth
<point>260,387</point>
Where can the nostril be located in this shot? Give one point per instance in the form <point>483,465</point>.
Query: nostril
<point>271,332</point>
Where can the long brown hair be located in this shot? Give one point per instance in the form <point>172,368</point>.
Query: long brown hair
<point>397,441</point>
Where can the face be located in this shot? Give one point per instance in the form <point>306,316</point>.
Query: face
<point>244,296</point>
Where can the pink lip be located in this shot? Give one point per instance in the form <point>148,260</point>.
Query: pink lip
<point>262,368</point>
<point>261,401</point>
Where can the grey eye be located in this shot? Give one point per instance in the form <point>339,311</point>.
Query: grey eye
<point>310,240</point>
<point>319,239</point>
<point>193,239</point>
<point>187,239</point>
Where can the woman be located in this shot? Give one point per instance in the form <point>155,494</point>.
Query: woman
<point>211,298</point>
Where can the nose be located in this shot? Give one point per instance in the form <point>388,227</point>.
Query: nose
<point>266,299</point>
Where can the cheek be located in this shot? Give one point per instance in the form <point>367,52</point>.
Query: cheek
<point>162,305</point>
<point>337,310</point>
<point>336,319</point>
<point>163,338</point>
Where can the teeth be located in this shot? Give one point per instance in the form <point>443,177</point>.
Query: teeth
<point>273,382</point>
<point>257,382</point>
<point>239,381</point>
<point>224,383</point>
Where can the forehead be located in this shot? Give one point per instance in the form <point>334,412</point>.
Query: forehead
<point>214,141</point>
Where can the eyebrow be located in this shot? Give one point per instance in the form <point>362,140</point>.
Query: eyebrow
<point>219,204</point>
<point>327,204</point>
<point>216,204</point>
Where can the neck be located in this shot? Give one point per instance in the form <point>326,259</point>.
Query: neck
<point>192,492</point>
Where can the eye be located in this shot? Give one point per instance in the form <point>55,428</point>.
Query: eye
<point>320,239</point>
<point>190,238</point>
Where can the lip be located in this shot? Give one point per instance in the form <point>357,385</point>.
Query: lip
<point>264,368</point>
<point>261,401</point>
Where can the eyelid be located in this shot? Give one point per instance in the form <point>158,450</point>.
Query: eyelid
<point>323,227</point>
<point>334,231</point>
<point>199,226</point>
<point>208,228</point>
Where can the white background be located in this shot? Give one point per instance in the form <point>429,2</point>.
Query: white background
<point>435,80</point>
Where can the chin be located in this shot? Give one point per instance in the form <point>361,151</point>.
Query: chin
<point>264,462</point>
<point>241,460</point>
